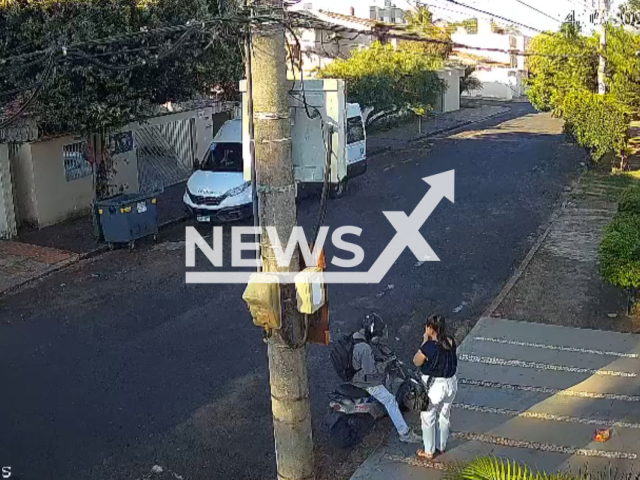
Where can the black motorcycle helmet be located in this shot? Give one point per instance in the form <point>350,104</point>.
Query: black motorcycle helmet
<point>374,327</point>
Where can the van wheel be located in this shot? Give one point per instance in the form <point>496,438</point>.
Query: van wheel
<point>340,189</point>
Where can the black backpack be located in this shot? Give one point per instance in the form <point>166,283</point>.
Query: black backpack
<point>342,357</point>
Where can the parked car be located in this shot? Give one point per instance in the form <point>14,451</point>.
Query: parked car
<point>217,190</point>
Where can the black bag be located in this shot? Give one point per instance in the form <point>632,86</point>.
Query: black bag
<point>342,357</point>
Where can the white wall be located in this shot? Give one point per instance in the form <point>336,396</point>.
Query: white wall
<point>24,186</point>
<point>8,228</point>
<point>452,94</point>
<point>56,198</point>
<point>499,83</point>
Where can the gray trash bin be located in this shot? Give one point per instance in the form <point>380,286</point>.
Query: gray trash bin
<point>126,218</point>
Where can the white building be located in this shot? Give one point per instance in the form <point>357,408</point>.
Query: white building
<point>379,10</point>
<point>512,44</point>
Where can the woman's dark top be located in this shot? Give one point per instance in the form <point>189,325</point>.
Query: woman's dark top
<point>440,362</point>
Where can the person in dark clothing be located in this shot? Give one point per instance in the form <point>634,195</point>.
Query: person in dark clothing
<point>438,361</point>
<point>370,374</point>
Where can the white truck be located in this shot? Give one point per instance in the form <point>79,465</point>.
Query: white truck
<point>220,189</point>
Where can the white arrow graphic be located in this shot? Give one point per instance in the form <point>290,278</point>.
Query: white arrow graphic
<point>408,228</point>
<point>407,235</point>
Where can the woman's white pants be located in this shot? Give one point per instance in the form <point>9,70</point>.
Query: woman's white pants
<point>435,420</point>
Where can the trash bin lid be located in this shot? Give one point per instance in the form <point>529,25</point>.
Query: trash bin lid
<point>125,199</point>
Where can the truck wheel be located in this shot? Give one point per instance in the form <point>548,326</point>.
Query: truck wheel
<point>340,189</point>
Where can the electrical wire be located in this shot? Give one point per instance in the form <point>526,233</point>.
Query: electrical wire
<point>46,76</point>
<point>124,68</point>
<point>495,16</point>
<point>304,22</point>
<point>539,11</point>
<point>322,213</point>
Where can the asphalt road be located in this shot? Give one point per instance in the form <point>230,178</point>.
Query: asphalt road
<point>116,365</point>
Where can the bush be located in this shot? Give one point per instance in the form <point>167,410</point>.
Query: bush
<point>493,468</point>
<point>620,252</point>
<point>388,80</point>
<point>598,123</point>
<point>629,200</point>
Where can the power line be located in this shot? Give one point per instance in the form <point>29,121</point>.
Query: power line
<point>45,77</point>
<point>302,20</point>
<point>209,21</point>
<point>495,16</point>
<point>539,11</point>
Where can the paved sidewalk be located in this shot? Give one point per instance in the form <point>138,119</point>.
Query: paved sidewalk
<point>535,394</point>
<point>22,262</point>
<point>36,253</point>
<point>382,141</point>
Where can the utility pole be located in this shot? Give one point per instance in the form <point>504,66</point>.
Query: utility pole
<point>277,207</point>
<point>603,14</point>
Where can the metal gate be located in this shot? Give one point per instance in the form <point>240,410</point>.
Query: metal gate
<point>166,154</point>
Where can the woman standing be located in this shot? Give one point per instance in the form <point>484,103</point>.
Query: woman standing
<point>438,361</point>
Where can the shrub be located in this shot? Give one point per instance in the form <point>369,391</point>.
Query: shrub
<point>598,123</point>
<point>493,468</point>
<point>388,80</point>
<point>620,252</point>
<point>629,200</point>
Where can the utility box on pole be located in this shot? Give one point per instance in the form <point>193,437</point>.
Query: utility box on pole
<point>313,105</point>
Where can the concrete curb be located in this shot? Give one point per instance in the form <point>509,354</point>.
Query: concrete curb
<point>426,136</point>
<point>79,257</point>
<point>530,255</point>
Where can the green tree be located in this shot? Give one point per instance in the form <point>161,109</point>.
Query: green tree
<point>560,63</point>
<point>388,80</point>
<point>623,67</point>
<point>87,93</point>
<point>90,91</point>
<point>420,22</point>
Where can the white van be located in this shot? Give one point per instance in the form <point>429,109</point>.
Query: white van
<point>217,190</point>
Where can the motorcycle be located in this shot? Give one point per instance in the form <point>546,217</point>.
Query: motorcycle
<point>349,404</point>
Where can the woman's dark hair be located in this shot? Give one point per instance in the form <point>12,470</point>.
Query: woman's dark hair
<point>439,325</point>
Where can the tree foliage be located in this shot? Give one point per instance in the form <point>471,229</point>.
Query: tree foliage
<point>629,200</point>
<point>420,22</point>
<point>388,80</point>
<point>623,67</point>
<point>564,70</point>
<point>620,252</point>
<point>469,83</point>
<point>598,123</point>
<point>552,76</point>
<point>85,93</point>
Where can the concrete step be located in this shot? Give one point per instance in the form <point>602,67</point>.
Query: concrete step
<point>599,340</point>
<point>535,394</point>
<point>545,435</point>
<point>598,411</point>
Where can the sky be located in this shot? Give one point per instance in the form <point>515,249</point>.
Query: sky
<point>512,9</point>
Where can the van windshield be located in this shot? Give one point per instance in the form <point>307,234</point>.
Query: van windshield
<point>224,157</point>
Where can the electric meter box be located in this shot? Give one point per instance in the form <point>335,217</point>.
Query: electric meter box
<point>310,290</point>
<point>263,297</point>
<point>326,96</point>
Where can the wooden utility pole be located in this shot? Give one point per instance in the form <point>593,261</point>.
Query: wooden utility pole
<point>603,14</point>
<point>277,207</point>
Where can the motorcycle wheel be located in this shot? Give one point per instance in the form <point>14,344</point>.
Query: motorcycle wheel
<point>343,433</point>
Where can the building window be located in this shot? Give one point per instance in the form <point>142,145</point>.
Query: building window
<point>76,165</point>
